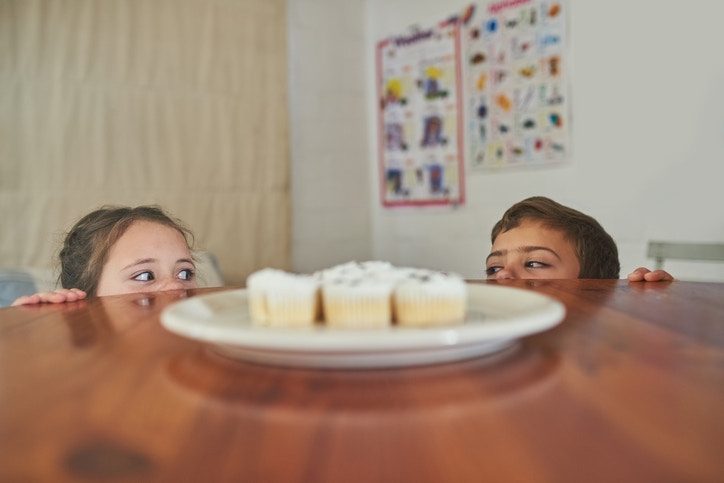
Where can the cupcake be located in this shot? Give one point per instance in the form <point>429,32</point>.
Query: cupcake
<point>282,299</point>
<point>355,270</point>
<point>427,298</point>
<point>357,302</point>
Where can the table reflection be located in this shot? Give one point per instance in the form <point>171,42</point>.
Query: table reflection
<point>520,372</point>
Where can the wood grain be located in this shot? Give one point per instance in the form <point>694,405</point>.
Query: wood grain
<point>629,387</point>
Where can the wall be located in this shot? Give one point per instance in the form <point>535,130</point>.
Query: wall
<point>648,138</point>
<point>178,103</point>
<point>330,152</point>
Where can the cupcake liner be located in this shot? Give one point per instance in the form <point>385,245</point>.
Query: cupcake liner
<point>441,301</point>
<point>357,295</point>
<point>357,305</point>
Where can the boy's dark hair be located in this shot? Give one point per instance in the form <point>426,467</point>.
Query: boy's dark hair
<point>596,250</point>
<point>87,245</point>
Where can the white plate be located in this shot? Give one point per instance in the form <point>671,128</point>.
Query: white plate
<point>496,317</point>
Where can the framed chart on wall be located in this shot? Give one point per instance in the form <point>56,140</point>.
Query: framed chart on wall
<point>420,117</point>
<point>515,82</point>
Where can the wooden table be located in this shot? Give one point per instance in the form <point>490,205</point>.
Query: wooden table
<point>629,388</point>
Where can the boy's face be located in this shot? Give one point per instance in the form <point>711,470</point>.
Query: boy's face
<point>532,250</point>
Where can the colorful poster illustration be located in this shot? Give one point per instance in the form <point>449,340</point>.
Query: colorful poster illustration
<point>420,117</point>
<point>514,62</point>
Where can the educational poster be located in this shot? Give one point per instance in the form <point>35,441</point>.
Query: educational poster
<point>514,61</point>
<point>420,117</point>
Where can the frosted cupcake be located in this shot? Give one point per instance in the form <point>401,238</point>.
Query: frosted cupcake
<point>282,299</point>
<point>359,302</point>
<point>355,270</point>
<point>427,298</point>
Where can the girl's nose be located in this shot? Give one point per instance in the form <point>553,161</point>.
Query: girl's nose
<point>171,283</point>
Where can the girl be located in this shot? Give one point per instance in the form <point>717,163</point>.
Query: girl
<point>117,250</point>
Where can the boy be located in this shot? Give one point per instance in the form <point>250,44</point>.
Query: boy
<point>540,238</point>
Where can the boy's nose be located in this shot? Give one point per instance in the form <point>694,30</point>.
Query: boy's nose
<point>505,274</point>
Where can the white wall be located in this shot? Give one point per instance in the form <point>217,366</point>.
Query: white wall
<point>648,137</point>
<point>329,142</point>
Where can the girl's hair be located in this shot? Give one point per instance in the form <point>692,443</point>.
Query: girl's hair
<point>87,245</point>
<point>596,250</point>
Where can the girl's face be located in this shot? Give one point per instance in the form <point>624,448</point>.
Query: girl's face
<point>532,250</point>
<point>148,257</point>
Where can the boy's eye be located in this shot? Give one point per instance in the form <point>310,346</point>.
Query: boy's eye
<point>144,277</point>
<point>186,274</point>
<point>492,270</point>
<point>534,264</point>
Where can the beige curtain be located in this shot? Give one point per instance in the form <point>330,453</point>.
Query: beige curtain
<point>182,103</point>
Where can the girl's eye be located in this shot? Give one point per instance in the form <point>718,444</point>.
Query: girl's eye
<point>534,264</point>
<point>186,274</point>
<point>144,277</point>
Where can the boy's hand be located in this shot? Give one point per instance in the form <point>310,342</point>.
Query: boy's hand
<point>643,274</point>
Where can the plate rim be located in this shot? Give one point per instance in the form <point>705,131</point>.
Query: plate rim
<point>322,341</point>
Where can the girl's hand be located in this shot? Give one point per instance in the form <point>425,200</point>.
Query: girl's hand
<point>55,297</point>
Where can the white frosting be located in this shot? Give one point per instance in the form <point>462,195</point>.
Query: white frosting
<point>366,275</point>
<point>354,270</point>
<point>358,287</point>
<point>271,280</point>
<point>432,283</point>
